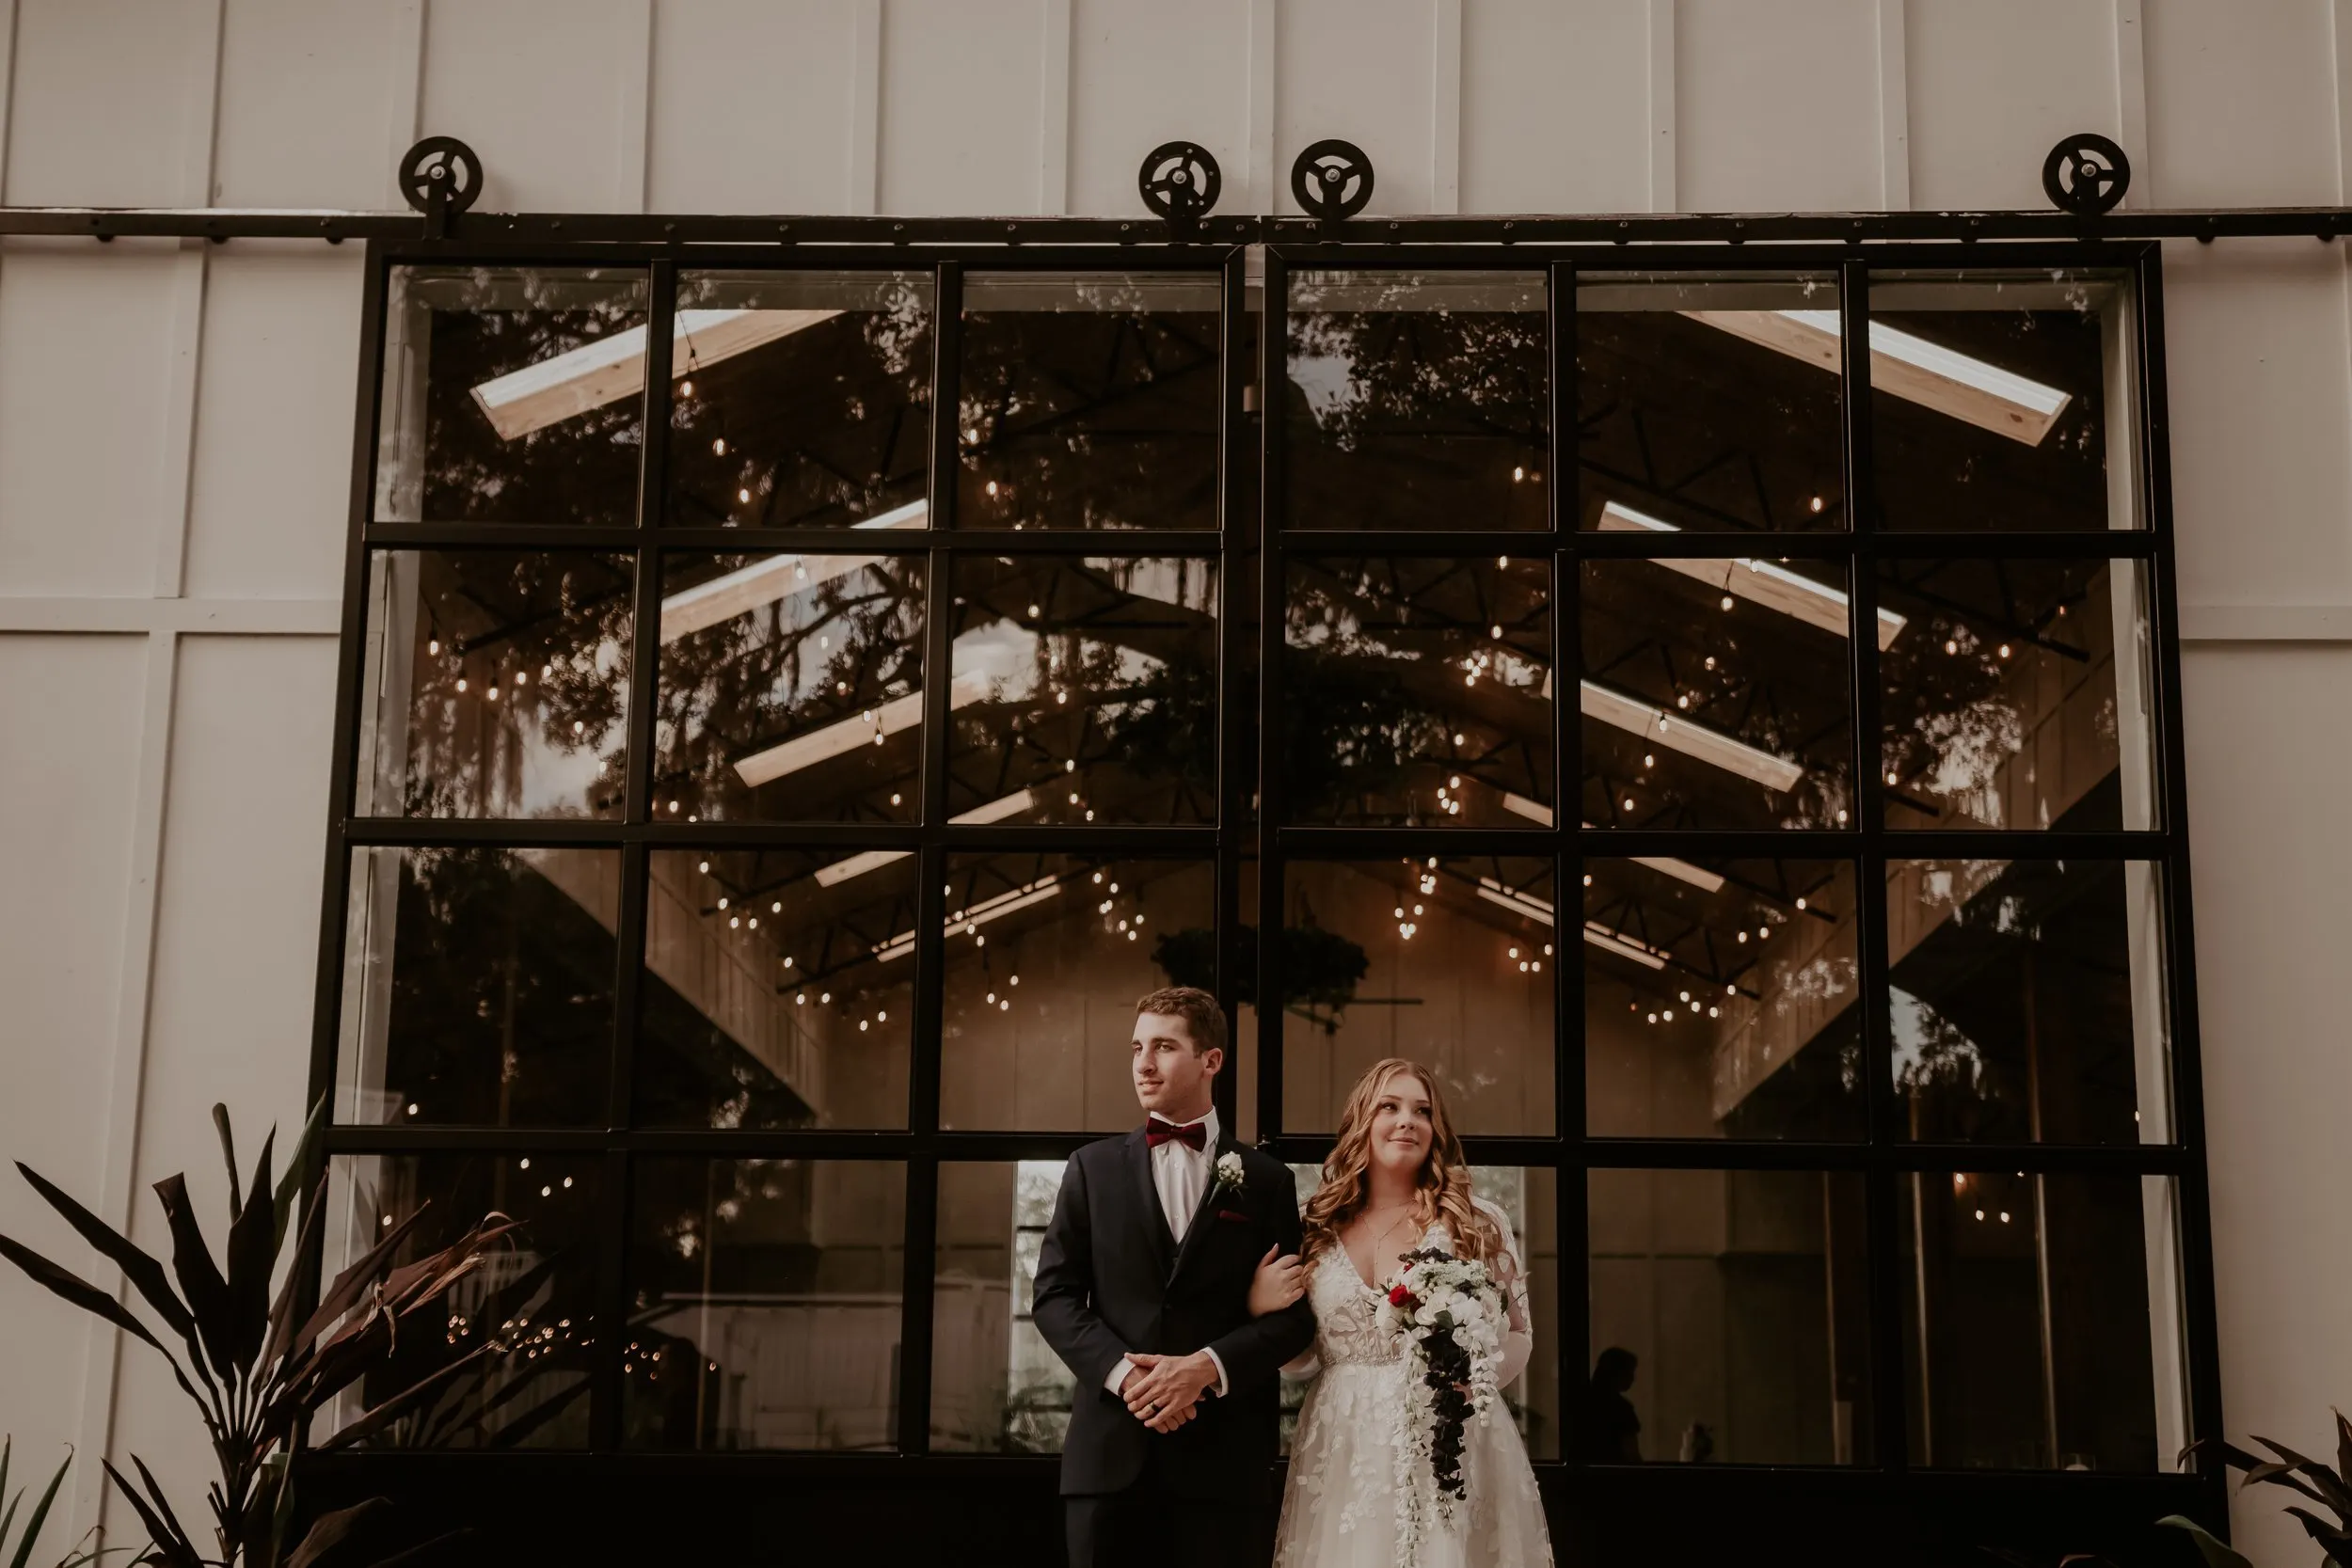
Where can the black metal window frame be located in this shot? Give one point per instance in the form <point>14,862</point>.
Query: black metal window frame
<point>1245,521</point>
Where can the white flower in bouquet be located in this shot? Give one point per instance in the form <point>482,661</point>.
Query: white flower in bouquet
<point>1448,1311</point>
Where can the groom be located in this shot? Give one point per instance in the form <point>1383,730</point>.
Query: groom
<point>1143,1289</point>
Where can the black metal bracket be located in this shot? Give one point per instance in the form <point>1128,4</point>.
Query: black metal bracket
<point>1180,182</point>
<point>2086,175</point>
<point>440,177</point>
<point>1331,180</point>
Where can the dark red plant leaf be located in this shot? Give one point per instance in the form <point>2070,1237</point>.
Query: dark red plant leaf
<point>354,1281</point>
<point>282,1310</point>
<point>422,1552</point>
<point>200,1284</point>
<point>332,1530</point>
<point>80,1292</point>
<point>228,1158</point>
<point>144,1273</point>
<point>252,1256</point>
<point>2329,1536</point>
<point>167,1544</point>
<point>400,1404</point>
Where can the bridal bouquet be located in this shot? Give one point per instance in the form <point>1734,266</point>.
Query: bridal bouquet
<point>1449,1312</point>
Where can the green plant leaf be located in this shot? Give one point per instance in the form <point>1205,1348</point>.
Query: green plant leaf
<point>39,1516</point>
<point>2216,1552</point>
<point>301,1173</point>
<point>228,1158</point>
<point>200,1281</point>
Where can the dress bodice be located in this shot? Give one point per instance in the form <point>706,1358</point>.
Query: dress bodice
<point>1347,1315</point>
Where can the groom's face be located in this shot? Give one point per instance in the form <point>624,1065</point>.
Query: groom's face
<point>1172,1074</point>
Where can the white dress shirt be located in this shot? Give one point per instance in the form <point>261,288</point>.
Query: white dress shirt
<point>1179,1174</point>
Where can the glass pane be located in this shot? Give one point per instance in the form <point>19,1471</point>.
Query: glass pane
<point>764,1303</point>
<point>791,689</point>
<point>2041,1316</point>
<point>1719,999</point>
<point>511,395</point>
<point>531,1305</point>
<point>1084,690</point>
<point>1730,1324</point>
<point>478,987</point>
<point>1417,400</point>
<point>1716,694</point>
<point>1418,691</point>
<point>1088,400</point>
<point>1446,960</point>
<point>2017,694</point>
<point>777,989</point>
<point>1046,956</point>
<point>802,399</point>
<point>1708,402</point>
<point>996,1387</point>
<point>2028,1000</point>
<point>2003,402</point>
<point>497,685</point>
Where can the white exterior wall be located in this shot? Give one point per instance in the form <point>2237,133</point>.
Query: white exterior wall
<point>175,429</point>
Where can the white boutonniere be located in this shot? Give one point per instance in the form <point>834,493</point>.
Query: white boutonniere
<point>1228,1176</point>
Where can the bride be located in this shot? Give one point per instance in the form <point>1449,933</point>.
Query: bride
<point>1395,1182</point>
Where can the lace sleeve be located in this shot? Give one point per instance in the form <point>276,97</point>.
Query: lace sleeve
<point>1519,1338</point>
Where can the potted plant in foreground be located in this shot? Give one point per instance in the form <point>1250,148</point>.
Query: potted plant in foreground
<point>255,1371</point>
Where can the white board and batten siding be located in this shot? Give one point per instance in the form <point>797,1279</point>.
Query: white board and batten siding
<point>175,426</point>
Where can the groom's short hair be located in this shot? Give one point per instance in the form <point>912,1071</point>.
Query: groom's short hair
<point>1197,1007</point>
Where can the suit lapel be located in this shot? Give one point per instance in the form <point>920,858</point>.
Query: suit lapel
<point>1154,1216</point>
<point>1201,1210</point>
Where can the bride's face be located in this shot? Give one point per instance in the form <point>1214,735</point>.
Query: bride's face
<point>1403,1124</point>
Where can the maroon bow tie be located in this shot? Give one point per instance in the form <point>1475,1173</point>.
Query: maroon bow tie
<point>1194,1135</point>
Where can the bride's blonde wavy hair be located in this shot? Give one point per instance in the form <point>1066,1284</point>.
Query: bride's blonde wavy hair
<point>1441,1190</point>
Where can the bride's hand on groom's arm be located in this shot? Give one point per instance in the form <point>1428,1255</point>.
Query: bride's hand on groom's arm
<point>1278,1282</point>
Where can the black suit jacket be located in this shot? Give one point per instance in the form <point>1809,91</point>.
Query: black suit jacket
<point>1111,1279</point>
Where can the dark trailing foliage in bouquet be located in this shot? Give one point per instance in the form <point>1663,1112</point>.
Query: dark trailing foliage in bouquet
<point>255,1371</point>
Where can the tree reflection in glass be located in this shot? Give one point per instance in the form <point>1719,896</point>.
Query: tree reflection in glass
<point>1417,400</point>
<point>2019,696</point>
<point>791,688</point>
<point>2003,402</point>
<point>1716,694</point>
<point>1720,998</point>
<point>1711,403</point>
<point>2029,1001</point>
<point>778,989</point>
<point>1089,401</point>
<point>498,684</point>
<point>1418,691</point>
<point>1084,690</point>
<point>478,987</point>
<point>763,1304</point>
<point>511,395</point>
<point>800,400</point>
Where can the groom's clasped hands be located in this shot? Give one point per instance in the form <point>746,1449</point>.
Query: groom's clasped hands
<point>1164,1391</point>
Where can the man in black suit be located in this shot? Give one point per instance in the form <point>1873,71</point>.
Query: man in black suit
<point>1143,1290</point>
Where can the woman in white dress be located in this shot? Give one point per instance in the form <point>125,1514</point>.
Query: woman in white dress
<point>1395,1182</point>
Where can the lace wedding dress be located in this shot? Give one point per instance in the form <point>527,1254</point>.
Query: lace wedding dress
<point>1348,1470</point>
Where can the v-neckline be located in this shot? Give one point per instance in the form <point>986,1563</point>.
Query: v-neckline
<point>1367,1286</point>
